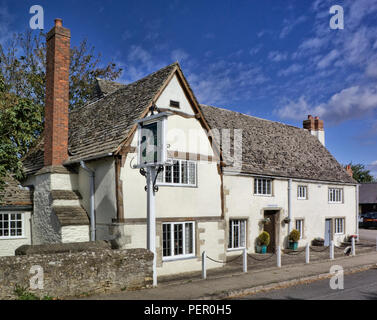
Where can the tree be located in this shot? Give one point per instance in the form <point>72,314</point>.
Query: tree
<point>22,92</point>
<point>23,66</point>
<point>361,174</point>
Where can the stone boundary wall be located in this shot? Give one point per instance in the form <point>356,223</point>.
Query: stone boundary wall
<point>77,273</point>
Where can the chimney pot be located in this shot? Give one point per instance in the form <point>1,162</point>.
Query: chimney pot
<point>58,22</point>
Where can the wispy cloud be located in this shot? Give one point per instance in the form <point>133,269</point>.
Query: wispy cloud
<point>277,56</point>
<point>5,24</point>
<point>294,68</point>
<point>350,103</point>
<point>290,24</point>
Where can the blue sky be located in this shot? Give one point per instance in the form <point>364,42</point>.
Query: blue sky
<point>277,60</point>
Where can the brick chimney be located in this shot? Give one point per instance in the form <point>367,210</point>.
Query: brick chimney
<point>349,170</point>
<point>316,128</point>
<point>57,95</point>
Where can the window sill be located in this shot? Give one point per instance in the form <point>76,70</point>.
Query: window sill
<point>176,185</point>
<point>177,258</point>
<point>13,238</point>
<point>235,249</point>
<point>263,195</point>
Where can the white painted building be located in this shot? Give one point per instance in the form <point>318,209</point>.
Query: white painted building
<point>214,197</point>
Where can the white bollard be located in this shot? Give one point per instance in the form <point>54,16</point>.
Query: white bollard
<point>332,250</point>
<point>353,246</point>
<point>278,256</point>
<point>244,260</point>
<point>204,265</point>
<point>307,253</point>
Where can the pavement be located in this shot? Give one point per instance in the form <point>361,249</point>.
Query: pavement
<point>231,282</point>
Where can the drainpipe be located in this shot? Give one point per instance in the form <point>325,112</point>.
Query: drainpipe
<point>289,204</point>
<point>92,215</point>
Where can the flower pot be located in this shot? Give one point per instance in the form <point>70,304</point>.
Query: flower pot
<point>261,249</point>
<point>293,245</point>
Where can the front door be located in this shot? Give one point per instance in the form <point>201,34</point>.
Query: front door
<point>328,225</point>
<point>271,229</point>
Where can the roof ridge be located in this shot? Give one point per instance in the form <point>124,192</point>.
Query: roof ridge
<point>254,117</point>
<point>92,101</point>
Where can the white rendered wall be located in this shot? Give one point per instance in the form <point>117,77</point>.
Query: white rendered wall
<point>105,196</point>
<point>243,204</point>
<point>72,234</point>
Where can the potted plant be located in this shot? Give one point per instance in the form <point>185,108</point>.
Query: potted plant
<point>318,242</point>
<point>293,238</point>
<point>263,241</point>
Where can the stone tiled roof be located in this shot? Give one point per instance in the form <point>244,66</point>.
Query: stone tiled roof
<point>276,149</point>
<point>101,125</point>
<point>269,148</point>
<point>368,193</point>
<point>71,215</point>
<point>14,194</point>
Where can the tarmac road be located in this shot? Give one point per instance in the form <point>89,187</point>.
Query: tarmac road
<point>357,286</point>
<point>368,234</point>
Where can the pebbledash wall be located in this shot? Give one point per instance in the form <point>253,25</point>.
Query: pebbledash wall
<point>241,203</point>
<point>78,273</point>
<point>46,227</point>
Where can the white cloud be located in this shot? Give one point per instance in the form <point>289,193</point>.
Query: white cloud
<point>294,68</point>
<point>179,55</point>
<point>5,24</point>
<point>350,103</point>
<point>277,56</point>
<point>255,50</point>
<point>328,59</point>
<point>290,24</point>
<point>371,69</point>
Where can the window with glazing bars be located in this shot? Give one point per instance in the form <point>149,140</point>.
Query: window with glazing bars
<point>237,234</point>
<point>262,186</point>
<point>335,195</point>
<point>178,239</point>
<point>11,225</point>
<point>182,172</point>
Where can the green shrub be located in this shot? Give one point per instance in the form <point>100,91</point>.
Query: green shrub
<point>264,239</point>
<point>23,293</point>
<point>294,236</point>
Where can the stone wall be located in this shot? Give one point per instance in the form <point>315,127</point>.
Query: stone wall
<point>77,273</point>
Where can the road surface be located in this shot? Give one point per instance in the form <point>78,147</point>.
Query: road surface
<point>368,234</point>
<point>357,286</point>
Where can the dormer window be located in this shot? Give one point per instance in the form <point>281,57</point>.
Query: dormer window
<point>174,104</point>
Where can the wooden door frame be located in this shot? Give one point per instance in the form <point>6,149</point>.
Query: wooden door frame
<point>277,213</point>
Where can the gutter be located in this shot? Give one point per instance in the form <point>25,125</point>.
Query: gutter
<point>234,173</point>
<point>92,214</point>
<point>100,156</point>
